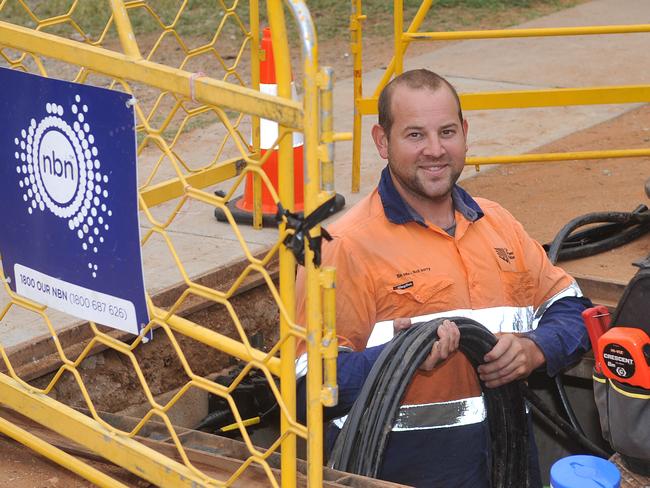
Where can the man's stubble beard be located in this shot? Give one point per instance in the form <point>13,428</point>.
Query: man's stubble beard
<point>415,186</point>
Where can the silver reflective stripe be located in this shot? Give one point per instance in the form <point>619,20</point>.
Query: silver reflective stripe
<point>496,319</point>
<point>440,415</point>
<point>340,421</point>
<point>301,362</point>
<point>573,290</point>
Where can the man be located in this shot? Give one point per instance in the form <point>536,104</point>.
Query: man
<point>418,247</point>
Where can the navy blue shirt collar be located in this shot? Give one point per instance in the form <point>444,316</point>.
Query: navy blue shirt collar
<point>399,212</point>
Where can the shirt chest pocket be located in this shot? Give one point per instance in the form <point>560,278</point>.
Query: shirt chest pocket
<point>518,287</point>
<point>517,281</point>
<point>417,297</point>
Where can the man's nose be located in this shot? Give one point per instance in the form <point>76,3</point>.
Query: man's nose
<point>434,147</point>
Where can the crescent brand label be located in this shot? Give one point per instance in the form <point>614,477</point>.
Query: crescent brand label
<point>619,360</point>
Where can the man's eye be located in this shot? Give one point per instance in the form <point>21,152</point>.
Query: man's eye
<point>414,135</point>
<point>448,132</point>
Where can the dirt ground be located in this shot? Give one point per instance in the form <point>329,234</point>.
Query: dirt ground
<point>23,468</point>
<point>544,197</point>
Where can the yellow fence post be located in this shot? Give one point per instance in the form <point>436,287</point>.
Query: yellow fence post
<point>398,27</point>
<point>254,19</point>
<point>287,260</point>
<point>356,47</point>
<point>124,29</point>
<point>313,198</point>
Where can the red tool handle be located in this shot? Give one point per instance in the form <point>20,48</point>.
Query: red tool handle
<point>597,320</point>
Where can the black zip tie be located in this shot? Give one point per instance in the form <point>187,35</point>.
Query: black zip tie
<point>301,226</point>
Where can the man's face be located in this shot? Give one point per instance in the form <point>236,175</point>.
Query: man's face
<point>427,144</point>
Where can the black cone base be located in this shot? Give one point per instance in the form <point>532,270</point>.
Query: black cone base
<point>268,220</point>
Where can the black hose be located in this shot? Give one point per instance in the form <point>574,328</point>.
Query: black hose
<point>215,419</point>
<point>566,404</point>
<point>619,228</point>
<point>585,249</point>
<point>560,425</point>
<point>360,445</point>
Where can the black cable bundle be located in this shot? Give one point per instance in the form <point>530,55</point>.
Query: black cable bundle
<point>617,228</point>
<point>360,445</point>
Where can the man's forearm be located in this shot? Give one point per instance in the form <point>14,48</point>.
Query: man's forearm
<point>561,334</point>
<point>352,370</point>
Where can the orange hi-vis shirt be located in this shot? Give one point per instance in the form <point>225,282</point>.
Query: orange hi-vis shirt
<point>490,270</point>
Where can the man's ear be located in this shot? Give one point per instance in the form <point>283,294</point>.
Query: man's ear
<point>465,131</point>
<point>381,140</point>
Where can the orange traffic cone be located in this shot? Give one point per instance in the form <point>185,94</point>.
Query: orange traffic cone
<point>242,207</point>
<point>268,136</point>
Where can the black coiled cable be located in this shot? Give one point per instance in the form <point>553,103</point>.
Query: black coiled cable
<point>360,445</point>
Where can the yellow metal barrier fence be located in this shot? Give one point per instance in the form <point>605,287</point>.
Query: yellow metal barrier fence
<point>184,78</point>
<point>488,100</point>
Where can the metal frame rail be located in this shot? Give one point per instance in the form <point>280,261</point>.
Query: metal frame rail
<point>489,100</point>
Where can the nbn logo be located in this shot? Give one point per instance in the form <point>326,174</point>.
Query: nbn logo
<point>56,166</point>
<point>60,170</point>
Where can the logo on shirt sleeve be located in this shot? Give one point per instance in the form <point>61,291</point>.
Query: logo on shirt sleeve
<point>505,254</point>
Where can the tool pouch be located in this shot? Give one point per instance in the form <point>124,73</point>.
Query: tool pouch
<point>632,309</point>
<point>624,412</point>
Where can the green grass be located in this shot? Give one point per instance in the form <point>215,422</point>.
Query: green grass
<point>443,14</point>
<point>491,4</point>
<point>198,17</point>
<point>201,17</point>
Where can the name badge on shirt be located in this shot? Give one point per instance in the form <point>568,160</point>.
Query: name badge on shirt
<point>403,286</point>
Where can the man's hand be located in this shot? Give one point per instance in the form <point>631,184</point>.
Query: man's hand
<point>447,343</point>
<point>513,357</point>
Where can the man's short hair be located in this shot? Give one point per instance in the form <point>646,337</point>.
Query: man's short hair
<point>415,79</point>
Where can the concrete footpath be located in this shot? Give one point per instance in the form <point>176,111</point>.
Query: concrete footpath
<point>472,66</point>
